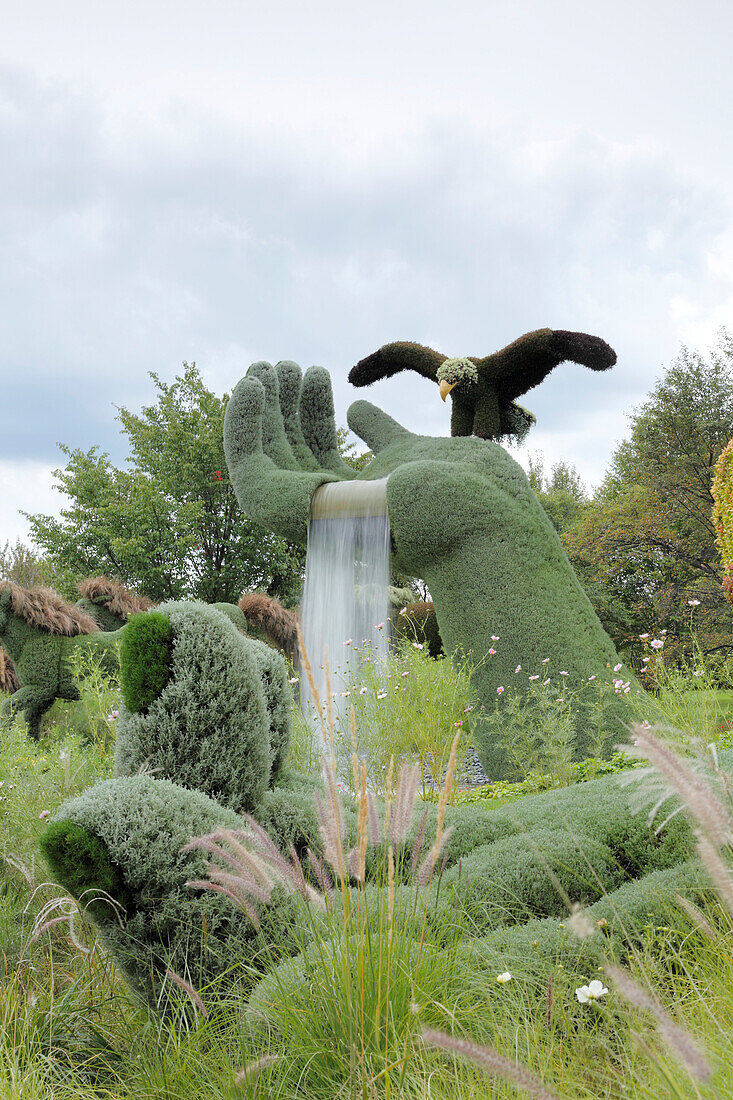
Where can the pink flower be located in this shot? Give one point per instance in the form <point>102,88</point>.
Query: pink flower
<point>545,660</point>
<point>492,652</point>
<point>546,682</point>
<point>618,667</point>
<point>534,677</point>
<point>499,690</point>
<point>43,814</point>
<point>379,626</point>
<point>467,709</point>
<point>663,631</point>
<point>417,645</point>
<point>563,674</point>
<point>458,724</point>
<point>643,636</point>
<point>495,637</point>
<point>517,669</point>
<point>694,603</point>
<point>348,641</point>
<point>559,700</point>
<point>657,643</point>
<point>591,677</point>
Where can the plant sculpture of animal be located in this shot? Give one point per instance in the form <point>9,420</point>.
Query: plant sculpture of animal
<point>722,490</point>
<point>463,517</point>
<point>484,390</point>
<point>109,603</point>
<point>39,630</point>
<point>203,705</point>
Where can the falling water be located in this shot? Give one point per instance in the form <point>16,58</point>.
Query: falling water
<point>345,603</point>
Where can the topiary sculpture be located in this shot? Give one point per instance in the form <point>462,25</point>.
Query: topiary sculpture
<point>463,518</point>
<point>484,391</point>
<point>202,704</point>
<point>118,849</point>
<point>39,630</point>
<point>272,622</point>
<point>109,603</point>
<point>8,679</point>
<point>418,623</point>
<point>722,491</point>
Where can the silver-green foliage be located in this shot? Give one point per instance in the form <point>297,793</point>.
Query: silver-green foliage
<point>209,727</point>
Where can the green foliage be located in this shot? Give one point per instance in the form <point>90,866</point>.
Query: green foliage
<point>82,862</point>
<point>409,709</point>
<point>208,726</point>
<point>531,875</point>
<point>273,675</point>
<point>722,492</point>
<point>145,659</point>
<point>168,523</point>
<point>417,622</point>
<point>647,542</point>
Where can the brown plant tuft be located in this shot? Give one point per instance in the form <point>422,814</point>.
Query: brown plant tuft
<point>8,678</point>
<point>279,625</point>
<point>46,610</point>
<point>114,596</point>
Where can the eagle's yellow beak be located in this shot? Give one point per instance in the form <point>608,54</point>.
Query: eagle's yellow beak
<point>445,388</point>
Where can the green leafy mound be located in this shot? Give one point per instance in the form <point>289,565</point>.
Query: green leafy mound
<point>125,836</point>
<point>531,875</point>
<point>417,622</point>
<point>145,659</point>
<point>207,728</point>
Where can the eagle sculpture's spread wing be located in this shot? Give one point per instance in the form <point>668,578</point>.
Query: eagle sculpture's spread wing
<point>392,358</point>
<point>484,404</point>
<point>526,362</point>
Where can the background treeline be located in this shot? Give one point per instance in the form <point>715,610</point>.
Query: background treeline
<point>643,545</point>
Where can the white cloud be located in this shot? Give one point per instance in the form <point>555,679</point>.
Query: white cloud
<point>26,486</point>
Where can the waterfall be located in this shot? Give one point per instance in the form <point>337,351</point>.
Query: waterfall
<point>345,602</point>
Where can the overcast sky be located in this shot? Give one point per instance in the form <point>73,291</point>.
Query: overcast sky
<point>230,181</point>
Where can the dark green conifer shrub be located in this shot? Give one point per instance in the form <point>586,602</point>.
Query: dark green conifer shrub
<point>145,659</point>
<point>207,727</point>
<point>273,673</point>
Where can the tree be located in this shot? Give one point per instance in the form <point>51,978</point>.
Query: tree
<point>562,494</point>
<point>646,543</point>
<point>168,525</point>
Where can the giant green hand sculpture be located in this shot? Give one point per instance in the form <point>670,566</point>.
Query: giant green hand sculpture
<point>463,518</point>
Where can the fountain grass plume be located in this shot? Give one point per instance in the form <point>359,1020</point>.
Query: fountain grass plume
<point>491,1061</point>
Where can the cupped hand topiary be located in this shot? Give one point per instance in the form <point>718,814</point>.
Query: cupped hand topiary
<point>463,517</point>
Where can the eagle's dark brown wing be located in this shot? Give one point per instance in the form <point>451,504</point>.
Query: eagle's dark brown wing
<point>393,358</point>
<point>524,363</point>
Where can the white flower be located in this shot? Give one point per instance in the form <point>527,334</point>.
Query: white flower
<point>381,695</point>
<point>405,673</point>
<point>563,673</point>
<point>504,978</point>
<point>656,643</point>
<point>643,636</point>
<point>517,669</point>
<point>417,645</point>
<point>499,690</point>
<point>545,660</point>
<point>646,725</point>
<point>348,641</point>
<point>403,611</point>
<point>591,678</point>
<point>294,679</point>
<point>699,673</point>
<point>495,637</point>
<point>591,992</point>
<point>618,667</point>
<point>345,694</point>
<point>694,603</point>
<point>362,690</point>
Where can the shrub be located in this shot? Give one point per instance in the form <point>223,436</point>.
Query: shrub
<point>124,836</point>
<point>417,622</point>
<point>145,659</point>
<point>722,490</point>
<point>273,673</point>
<point>207,728</point>
<point>531,875</point>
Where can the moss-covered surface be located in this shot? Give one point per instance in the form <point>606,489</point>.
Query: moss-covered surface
<point>208,727</point>
<point>464,518</point>
<point>41,656</point>
<point>145,659</point>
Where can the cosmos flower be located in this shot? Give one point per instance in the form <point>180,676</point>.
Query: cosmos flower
<point>593,991</point>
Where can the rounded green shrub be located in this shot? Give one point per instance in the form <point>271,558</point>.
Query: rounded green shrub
<point>145,659</point>
<point>126,836</point>
<point>207,728</point>
<point>273,673</point>
<point>531,875</point>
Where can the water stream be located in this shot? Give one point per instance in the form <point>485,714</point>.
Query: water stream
<point>345,608</point>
